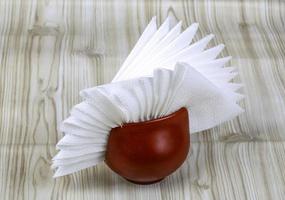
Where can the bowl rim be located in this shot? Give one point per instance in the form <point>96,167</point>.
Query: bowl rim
<point>151,121</point>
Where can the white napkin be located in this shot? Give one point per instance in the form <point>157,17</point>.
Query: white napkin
<point>161,74</point>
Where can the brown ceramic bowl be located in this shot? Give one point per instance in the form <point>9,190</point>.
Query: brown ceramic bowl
<point>146,152</point>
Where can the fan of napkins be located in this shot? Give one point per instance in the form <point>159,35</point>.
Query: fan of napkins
<point>163,73</point>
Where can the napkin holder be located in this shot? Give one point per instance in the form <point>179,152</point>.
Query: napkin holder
<point>147,152</point>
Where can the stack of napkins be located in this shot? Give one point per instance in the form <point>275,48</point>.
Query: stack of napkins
<point>162,74</point>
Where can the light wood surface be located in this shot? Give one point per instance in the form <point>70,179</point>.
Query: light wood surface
<point>50,50</point>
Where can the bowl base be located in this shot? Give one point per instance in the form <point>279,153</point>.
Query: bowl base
<point>144,183</point>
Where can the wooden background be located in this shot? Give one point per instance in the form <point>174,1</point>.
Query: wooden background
<point>49,50</point>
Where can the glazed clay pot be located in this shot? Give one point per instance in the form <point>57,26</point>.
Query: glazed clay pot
<point>146,152</point>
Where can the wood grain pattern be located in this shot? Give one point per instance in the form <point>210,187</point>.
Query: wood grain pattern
<point>50,50</point>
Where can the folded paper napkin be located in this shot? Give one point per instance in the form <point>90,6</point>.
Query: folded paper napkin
<point>162,73</point>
